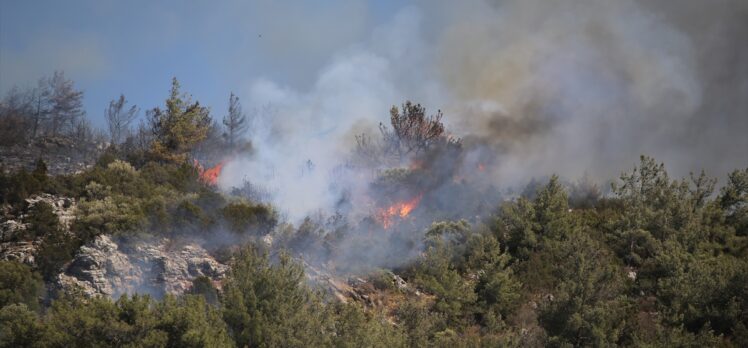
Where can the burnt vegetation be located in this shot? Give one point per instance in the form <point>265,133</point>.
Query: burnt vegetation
<point>655,261</point>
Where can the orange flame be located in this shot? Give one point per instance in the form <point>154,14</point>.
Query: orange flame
<point>210,175</point>
<point>398,210</point>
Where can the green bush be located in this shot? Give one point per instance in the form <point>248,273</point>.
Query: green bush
<point>132,322</point>
<point>42,221</point>
<point>16,187</point>
<point>19,284</point>
<point>256,219</point>
<point>20,327</point>
<point>383,280</point>
<point>189,218</point>
<point>203,286</point>
<point>589,305</point>
<point>55,251</point>
<point>269,305</point>
<point>115,214</point>
<point>435,273</point>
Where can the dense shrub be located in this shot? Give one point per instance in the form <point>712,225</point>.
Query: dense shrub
<point>20,327</point>
<point>203,286</point>
<point>255,219</point>
<point>114,214</point>
<point>268,304</point>
<point>41,221</point>
<point>19,284</point>
<point>56,250</point>
<point>131,322</point>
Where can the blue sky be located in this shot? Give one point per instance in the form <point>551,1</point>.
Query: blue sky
<point>567,86</point>
<point>135,47</point>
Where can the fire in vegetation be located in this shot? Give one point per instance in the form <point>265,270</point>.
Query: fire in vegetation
<point>398,210</point>
<point>210,175</point>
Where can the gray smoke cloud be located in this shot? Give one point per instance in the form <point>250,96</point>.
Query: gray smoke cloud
<point>590,85</point>
<point>533,87</point>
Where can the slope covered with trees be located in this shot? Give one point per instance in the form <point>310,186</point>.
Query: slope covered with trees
<point>658,262</point>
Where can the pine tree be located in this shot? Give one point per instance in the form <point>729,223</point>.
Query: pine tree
<point>235,121</point>
<point>178,128</point>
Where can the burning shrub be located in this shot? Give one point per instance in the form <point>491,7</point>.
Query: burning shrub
<point>209,176</point>
<point>393,182</point>
<point>397,195</point>
<point>410,133</point>
<point>417,161</point>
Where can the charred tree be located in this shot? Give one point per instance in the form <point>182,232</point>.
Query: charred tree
<point>119,118</point>
<point>235,121</point>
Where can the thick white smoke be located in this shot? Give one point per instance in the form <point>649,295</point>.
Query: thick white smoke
<point>542,87</point>
<point>305,139</point>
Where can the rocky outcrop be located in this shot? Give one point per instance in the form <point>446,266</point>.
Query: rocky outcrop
<point>23,252</point>
<point>349,288</point>
<point>9,229</point>
<point>12,246</point>
<point>110,267</point>
<point>156,267</point>
<point>63,207</point>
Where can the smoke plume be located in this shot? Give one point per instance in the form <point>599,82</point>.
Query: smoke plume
<point>532,88</point>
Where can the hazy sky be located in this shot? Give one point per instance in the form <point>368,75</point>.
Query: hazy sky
<point>213,47</point>
<point>567,87</point>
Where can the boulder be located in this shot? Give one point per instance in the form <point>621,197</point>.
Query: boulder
<point>156,267</point>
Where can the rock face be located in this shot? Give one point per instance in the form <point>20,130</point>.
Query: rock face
<point>111,267</point>
<point>155,267</point>
<point>19,251</point>
<point>12,247</point>
<point>63,207</point>
<point>9,229</point>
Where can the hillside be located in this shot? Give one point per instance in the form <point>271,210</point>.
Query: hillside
<point>362,173</point>
<point>153,251</point>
